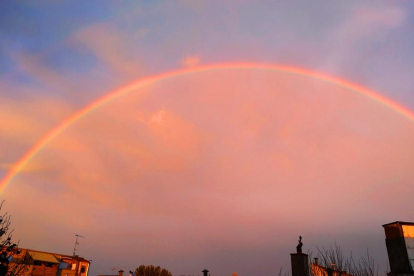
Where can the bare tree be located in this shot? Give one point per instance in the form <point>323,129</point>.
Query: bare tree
<point>334,263</point>
<point>364,267</point>
<point>13,261</point>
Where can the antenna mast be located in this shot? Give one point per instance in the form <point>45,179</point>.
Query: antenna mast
<point>76,243</point>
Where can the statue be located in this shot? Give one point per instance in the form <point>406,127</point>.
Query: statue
<point>299,247</point>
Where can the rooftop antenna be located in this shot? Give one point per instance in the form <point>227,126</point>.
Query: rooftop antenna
<point>76,243</point>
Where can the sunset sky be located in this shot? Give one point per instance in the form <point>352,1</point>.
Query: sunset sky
<point>221,165</point>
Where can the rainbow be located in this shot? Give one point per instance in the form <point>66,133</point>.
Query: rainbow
<point>19,165</point>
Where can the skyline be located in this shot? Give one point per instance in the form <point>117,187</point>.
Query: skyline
<point>203,134</point>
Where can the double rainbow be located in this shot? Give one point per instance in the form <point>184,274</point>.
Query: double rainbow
<point>19,165</point>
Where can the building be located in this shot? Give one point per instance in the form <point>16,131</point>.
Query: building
<point>399,239</point>
<point>40,263</point>
<point>319,270</point>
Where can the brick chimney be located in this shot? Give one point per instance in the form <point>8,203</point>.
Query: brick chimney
<point>120,273</point>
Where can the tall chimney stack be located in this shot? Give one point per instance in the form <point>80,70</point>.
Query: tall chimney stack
<point>299,260</point>
<point>399,238</point>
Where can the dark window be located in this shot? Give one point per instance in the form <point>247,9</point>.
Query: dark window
<point>83,269</point>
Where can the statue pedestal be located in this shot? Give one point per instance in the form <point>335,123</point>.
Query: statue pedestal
<point>300,264</point>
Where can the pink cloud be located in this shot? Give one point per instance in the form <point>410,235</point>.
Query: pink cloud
<point>190,61</point>
<point>158,118</point>
<point>389,17</point>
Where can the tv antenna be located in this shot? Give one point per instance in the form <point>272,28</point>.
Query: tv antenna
<point>76,243</point>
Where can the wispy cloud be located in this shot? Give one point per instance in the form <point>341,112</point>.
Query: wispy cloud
<point>110,46</point>
<point>356,36</point>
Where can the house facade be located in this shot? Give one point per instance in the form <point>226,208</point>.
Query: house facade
<point>40,263</point>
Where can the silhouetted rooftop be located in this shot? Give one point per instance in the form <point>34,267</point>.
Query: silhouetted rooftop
<point>399,222</point>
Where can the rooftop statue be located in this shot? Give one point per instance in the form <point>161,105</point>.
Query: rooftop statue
<point>299,247</point>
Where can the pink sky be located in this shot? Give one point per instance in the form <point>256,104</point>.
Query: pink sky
<point>211,165</point>
<point>220,170</point>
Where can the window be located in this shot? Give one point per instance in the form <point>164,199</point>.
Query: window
<point>83,269</point>
<point>63,265</point>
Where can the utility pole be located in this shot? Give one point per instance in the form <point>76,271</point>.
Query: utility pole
<point>76,243</point>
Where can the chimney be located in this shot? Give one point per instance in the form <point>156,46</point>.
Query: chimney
<point>120,273</point>
<point>300,266</point>
<point>205,272</point>
<point>399,238</point>
<point>316,261</point>
<point>299,261</point>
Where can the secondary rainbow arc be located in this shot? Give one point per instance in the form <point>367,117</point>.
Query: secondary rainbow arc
<point>53,133</point>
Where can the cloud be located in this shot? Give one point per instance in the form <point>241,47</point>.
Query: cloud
<point>109,45</point>
<point>34,67</point>
<point>158,118</point>
<point>355,38</point>
<point>386,17</point>
<point>24,122</point>
<point>370,24</point>
<point>190,61</point>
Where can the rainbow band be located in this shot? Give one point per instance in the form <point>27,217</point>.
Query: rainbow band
<point>19,165</point>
